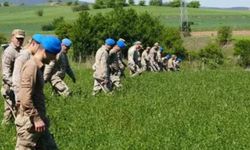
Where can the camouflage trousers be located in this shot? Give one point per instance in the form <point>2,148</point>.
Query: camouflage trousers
<point>9,104</point>
<point>59,86</point>
<point>29,139</point>
<point>154,66</point>
<point>134,70</point>
<point>99,86</point>
<point>115,80</point>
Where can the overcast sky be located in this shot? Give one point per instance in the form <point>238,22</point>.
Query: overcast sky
<point>213,3</point>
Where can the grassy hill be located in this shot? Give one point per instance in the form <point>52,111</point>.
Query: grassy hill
<point>204,19</point>
<point>184,110</point>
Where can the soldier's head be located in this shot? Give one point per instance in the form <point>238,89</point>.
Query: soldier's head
<point>17,37</point>
<point>147,49</point>
<point>161,49</point>
<point>157,45</point>
<point>66,44</point>
<point>138,45</point>
<point>49,48</point>
<point>35,43</point>
<point>121,44</point>
<point>109,43</point>
<point>174,57</point>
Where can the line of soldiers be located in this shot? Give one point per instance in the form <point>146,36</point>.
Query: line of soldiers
<point>24,72</point>
<point>109,65</point>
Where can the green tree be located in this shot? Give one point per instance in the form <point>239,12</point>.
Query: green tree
<point>155,2</point>
<point>194,4</point>
<point>131,2</point>
<point>212,56</point>
<point>175,3</point>
<point>142,3</point>
<point>242,49</point>
<point>6,4</point>
<point>224,35</point>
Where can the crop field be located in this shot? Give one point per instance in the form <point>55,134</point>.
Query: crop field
<point>182,110</point>
<point>25,17</point>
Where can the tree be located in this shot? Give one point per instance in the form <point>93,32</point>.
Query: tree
<point>224,35</point>
<point>155,2</point>
<point>142,3</point>
<point>194,4</point>
<point>242,49</point>
<point>131,2</point>
<point>175,3</point>
<point>6,4</point>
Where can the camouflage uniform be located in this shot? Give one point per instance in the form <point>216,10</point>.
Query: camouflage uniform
<point>8,59</point>
<point>114,67</point>
<point>101,71</point>
<point>145,60</point>
<point>171,65</point>
<point>121,63</point>
<point>55,73</point>
<point>32,109</point>
<point>153,58</point>
<point>134,61</point>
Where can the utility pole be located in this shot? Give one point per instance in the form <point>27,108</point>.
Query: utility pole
<point>184,24</point>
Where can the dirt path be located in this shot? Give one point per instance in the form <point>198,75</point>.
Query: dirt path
<point>214,33</point>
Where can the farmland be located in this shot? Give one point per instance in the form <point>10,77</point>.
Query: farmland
<point>25,17</point>
<point>184,110</point>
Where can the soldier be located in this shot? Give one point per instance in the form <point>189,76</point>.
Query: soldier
<point>122,64</point>
<point>171,65</point>
<point>177,64</point>
<point>31,122</point>
<point>55,71</point>
<point>153,58</point>
<point>134,59</point>
<point>8,59</point>
<point>115,70</point>
<point>21,59</point>
<point>159,59</point>
<point>101,69</point>
<point>145,59</point>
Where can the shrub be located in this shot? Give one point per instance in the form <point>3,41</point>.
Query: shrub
<point>224,35</point>
<point>212,56</point>
<point>82,7</point>
<point>131,2</point>
<point>63,30</point>
<point>3,39</point>
<point>174,3</point>
<point>194,4</point>
<point>53,25</point>
<point>76,3</point>
<point>89,31</point>
<point>6,4</point>
<point>39,13</point>
<point>142,3</point>
<point>48,27</point>
<point>242,49</point>
<point>69,3</point>
<point>155,2</point>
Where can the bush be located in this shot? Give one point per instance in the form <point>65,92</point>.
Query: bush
<point>53,25</point>
<point>3,39</point>
<point>155,2</point>
<point>212,56</point>
<point>89,32</point>
<point>82,7</point>
<point>69,3</point>
<point>224,35</point>
<point>194,4</point>
<point>63,30</point>
<point>76,3</point>
<point>39,13</point>
<point>174,3</point>
<point>6,4</point>
<point>242,49</point>
<point>142,3</point>
<point>131,2</point>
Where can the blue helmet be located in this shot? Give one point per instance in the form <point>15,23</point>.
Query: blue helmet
<point>51,44</point>
<point>38,38</point>
<point>121,44</point>
<point>179,60</point>
<point>161,49</point>
<point>168,56</point>
<point>66,42</point>
<point>110,42</point>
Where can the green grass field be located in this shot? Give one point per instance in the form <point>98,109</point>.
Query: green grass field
<point>204,19</point>
<point>184,110</point>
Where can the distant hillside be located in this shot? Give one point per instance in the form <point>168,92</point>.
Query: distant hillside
<point>34,2</point>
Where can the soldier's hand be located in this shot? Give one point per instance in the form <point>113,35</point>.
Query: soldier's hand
<point>39,126</point>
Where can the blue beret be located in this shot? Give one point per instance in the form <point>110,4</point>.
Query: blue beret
<point>38,38</point>
<point>51,44</point>
<point>121,44</point>
<point>110,42</point>
<point>161,49</point>
<point>168,56</point>
<point>178,59</point>
<point>66,42</point>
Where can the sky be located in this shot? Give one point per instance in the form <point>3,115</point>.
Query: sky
<point>213,3</point>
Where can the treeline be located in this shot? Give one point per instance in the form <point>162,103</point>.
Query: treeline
<point>121,3</point>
